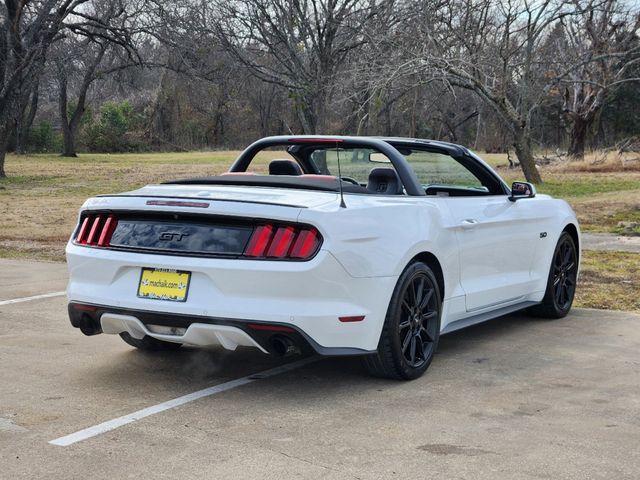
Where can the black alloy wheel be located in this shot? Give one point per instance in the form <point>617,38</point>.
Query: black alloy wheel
<point>561,283</point>
<point>419,320</point>
<point>412,326</point>
<point>565,269</point>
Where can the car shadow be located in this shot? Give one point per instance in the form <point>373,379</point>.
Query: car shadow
<point>190,369</point>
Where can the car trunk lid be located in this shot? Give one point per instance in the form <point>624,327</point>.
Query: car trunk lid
<point>297,198</point>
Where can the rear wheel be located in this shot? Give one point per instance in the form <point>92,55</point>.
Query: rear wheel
<point>411,329</point>
<point>561,284</point>
<point>149,343</point>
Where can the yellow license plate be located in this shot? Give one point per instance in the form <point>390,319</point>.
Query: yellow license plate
<point>163,284</point>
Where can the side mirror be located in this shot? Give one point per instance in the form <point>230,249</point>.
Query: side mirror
<point>521,190</point>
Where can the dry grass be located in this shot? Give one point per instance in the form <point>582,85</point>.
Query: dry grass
<point>609,280</point>
<point>40,199</point>
<point>604,189</point>
<point>597,161</point>
<point>603,212</point>
<point>39,204</point>
<point>602,162</point>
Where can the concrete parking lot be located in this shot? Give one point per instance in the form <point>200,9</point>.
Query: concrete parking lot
<point>515,398</point>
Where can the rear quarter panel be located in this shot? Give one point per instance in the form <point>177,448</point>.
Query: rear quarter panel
<point>378,236</point>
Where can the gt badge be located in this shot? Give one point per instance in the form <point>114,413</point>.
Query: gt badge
<point>169,236</point>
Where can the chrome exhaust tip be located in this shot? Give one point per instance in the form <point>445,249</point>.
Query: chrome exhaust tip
<point>283,346</point>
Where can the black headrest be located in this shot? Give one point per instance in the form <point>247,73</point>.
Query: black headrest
<point>384,181</point>
<point>284,167</point>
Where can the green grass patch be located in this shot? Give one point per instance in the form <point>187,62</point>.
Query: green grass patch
<point>29,181</point>
<point>632,232</point>
<point>587,184</point>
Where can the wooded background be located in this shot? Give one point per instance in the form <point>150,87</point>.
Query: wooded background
<point>143,75</point>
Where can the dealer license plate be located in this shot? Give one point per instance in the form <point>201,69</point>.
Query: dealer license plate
<point>164,284</point>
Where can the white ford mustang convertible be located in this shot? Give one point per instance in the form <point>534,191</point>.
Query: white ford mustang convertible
<point>333,245</point>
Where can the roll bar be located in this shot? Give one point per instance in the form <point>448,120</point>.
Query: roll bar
<point>405,172</point>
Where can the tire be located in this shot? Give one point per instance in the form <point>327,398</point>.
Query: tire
<point>411,328</point>
<point>561,283</point>
<point>149,344</point>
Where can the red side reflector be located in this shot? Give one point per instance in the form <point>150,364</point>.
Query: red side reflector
<point>91,239</point>
<point>270,328</point>
<point>259,241</point>
<point>84,230</point>
<point>107,231</point>
<point>177,203</point>
<point>84,308</point>
<point>357,318</point>
<point>281,242</point>
<point>305,244</point>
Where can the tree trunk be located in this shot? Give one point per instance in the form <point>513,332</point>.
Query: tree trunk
<point>478,125</point>
<point>320,110</point>
<point>413,124</point>
<point>20,134</point>
<point>307,118</point>
<point>578,137</point>
<point>4,140</point>
<point>68,127</point>
<point>25,120</point>
<point>524,152</point>
<point>69,141</point>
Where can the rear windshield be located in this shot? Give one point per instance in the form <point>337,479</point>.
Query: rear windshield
<point>355,163</point>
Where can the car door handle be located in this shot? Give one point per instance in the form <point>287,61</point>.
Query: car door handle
<point>469,223</point>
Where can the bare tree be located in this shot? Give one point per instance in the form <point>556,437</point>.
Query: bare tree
<point>26,112</point>
<point>27,29</point>
<point>493,49</point>
<point>84,65</point>
<point>599,46</point>
<point>484,72</point>
<point>103,43</point>
<point>297,44</point>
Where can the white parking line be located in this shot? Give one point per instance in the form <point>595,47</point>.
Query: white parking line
<point>161,407</point>
<point>34,297</point>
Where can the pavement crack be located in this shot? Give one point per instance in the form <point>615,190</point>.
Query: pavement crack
<point>326,467</point>
<point>284,454</point>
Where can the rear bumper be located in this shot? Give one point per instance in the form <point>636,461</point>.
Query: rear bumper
<point>306,296</point>
<point>197,330</point>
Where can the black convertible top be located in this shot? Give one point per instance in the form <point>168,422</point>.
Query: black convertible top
<point>303,182</point>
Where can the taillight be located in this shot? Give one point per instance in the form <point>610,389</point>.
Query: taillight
<point>306,244</point>
<point>96,230</point>
<point>259,241</point>
<point>283,242</point>
<point>267,241</point>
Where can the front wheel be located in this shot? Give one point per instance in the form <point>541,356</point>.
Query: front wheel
<point>561,283</point>
<point>412,327</point>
